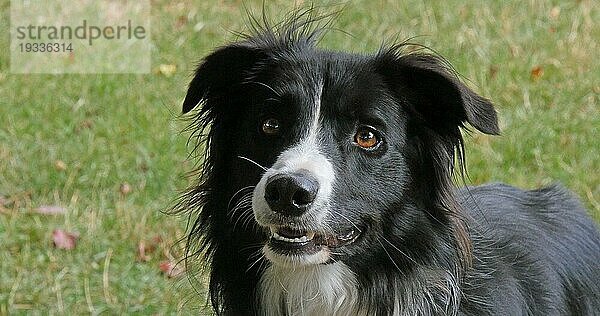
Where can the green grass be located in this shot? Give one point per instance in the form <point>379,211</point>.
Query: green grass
<point>113,129</point>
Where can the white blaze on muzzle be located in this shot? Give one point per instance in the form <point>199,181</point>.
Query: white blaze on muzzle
<point>304,157</point>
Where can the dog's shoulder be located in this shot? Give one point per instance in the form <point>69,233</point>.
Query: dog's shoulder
<point>498,199</point>
<point>541,242</point>
<point>549,219</point>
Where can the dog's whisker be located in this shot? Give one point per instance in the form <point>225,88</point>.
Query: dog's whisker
<point>240,211</point>
<point>243,200</point>
<point>400,251</point>
<point>238,192</point>
<point>248,220</point>
<point>266,86</point>
<point>241,214</point>
<point>389,256</point>
<point>241,217</point>
<point>239,206</point>
<point>253,162</point>
<point>242,203</point>
<point>255,253</point>
<point>261,257</point>
<point>252,246</point>
<point>346,218</point>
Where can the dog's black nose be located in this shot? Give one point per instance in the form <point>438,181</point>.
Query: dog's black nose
<point>291,194</point>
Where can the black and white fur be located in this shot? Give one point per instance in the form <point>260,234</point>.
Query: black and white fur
<point>425,247</point>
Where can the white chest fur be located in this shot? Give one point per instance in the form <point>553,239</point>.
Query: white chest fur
<point>309,290</point>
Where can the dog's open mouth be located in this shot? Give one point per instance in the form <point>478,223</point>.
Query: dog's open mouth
<point>289,241</point>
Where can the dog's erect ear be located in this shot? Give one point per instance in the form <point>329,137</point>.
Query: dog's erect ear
<point>436,94</point>
<point>220,72</point>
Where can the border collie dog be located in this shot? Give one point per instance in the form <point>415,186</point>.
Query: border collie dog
<point>327,188</point>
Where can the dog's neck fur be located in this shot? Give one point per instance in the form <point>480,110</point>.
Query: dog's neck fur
<point>333,290</point>
<point>309,290</point>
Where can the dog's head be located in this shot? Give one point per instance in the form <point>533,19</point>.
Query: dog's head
<point>317,155</point>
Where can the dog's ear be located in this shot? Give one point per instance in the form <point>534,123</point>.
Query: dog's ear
<point>435,93</point>
<point>220,72</point>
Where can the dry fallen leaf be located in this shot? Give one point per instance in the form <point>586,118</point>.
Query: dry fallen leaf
<point>198,27</point>
<point>153,243</point>
<point>50,209</point>
<point>515,50</point>
<point>171,269</point>
<point>167,69</point>
<point>157,239</point>
<point>493,71</point>
<point>125,188</point>
<point>537,72</point>
<point>554,12</point>
<point>64,240</point>
<point>181,21</point>
<point>3,203</point>
<point>141,252</point>
<point>146,247</point>
<point>60,165</point>
<point>85,124</point>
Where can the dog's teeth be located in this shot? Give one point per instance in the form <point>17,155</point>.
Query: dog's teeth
<point>310,235</point>
<point>305,238</point>
<point>276,236</point>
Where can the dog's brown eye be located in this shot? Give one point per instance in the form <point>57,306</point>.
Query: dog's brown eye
<point>270,126</point>
<point>366,137</point>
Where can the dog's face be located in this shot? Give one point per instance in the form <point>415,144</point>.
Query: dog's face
<point>329,130</point>
<point>330,144</point>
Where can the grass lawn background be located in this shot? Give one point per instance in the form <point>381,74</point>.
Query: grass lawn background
<point>539,62</point>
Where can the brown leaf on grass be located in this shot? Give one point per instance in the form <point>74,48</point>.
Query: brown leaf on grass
<point>153,243</point>
<point>3,203</point>
<point>170,269</point>
<point>143,167</point>
<point>64,240</point>
<point>85,124</point>
<point>492,72</point>
<point>146,247</point>
<point>181,21</point>
<point>537,72</point>
<point>157,239</point>
<point>50,210</point>
<point>16,200</point>
<point>125,188</point>
<point>60,165</point>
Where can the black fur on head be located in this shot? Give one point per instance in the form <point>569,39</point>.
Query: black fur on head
<point>431,106</point>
